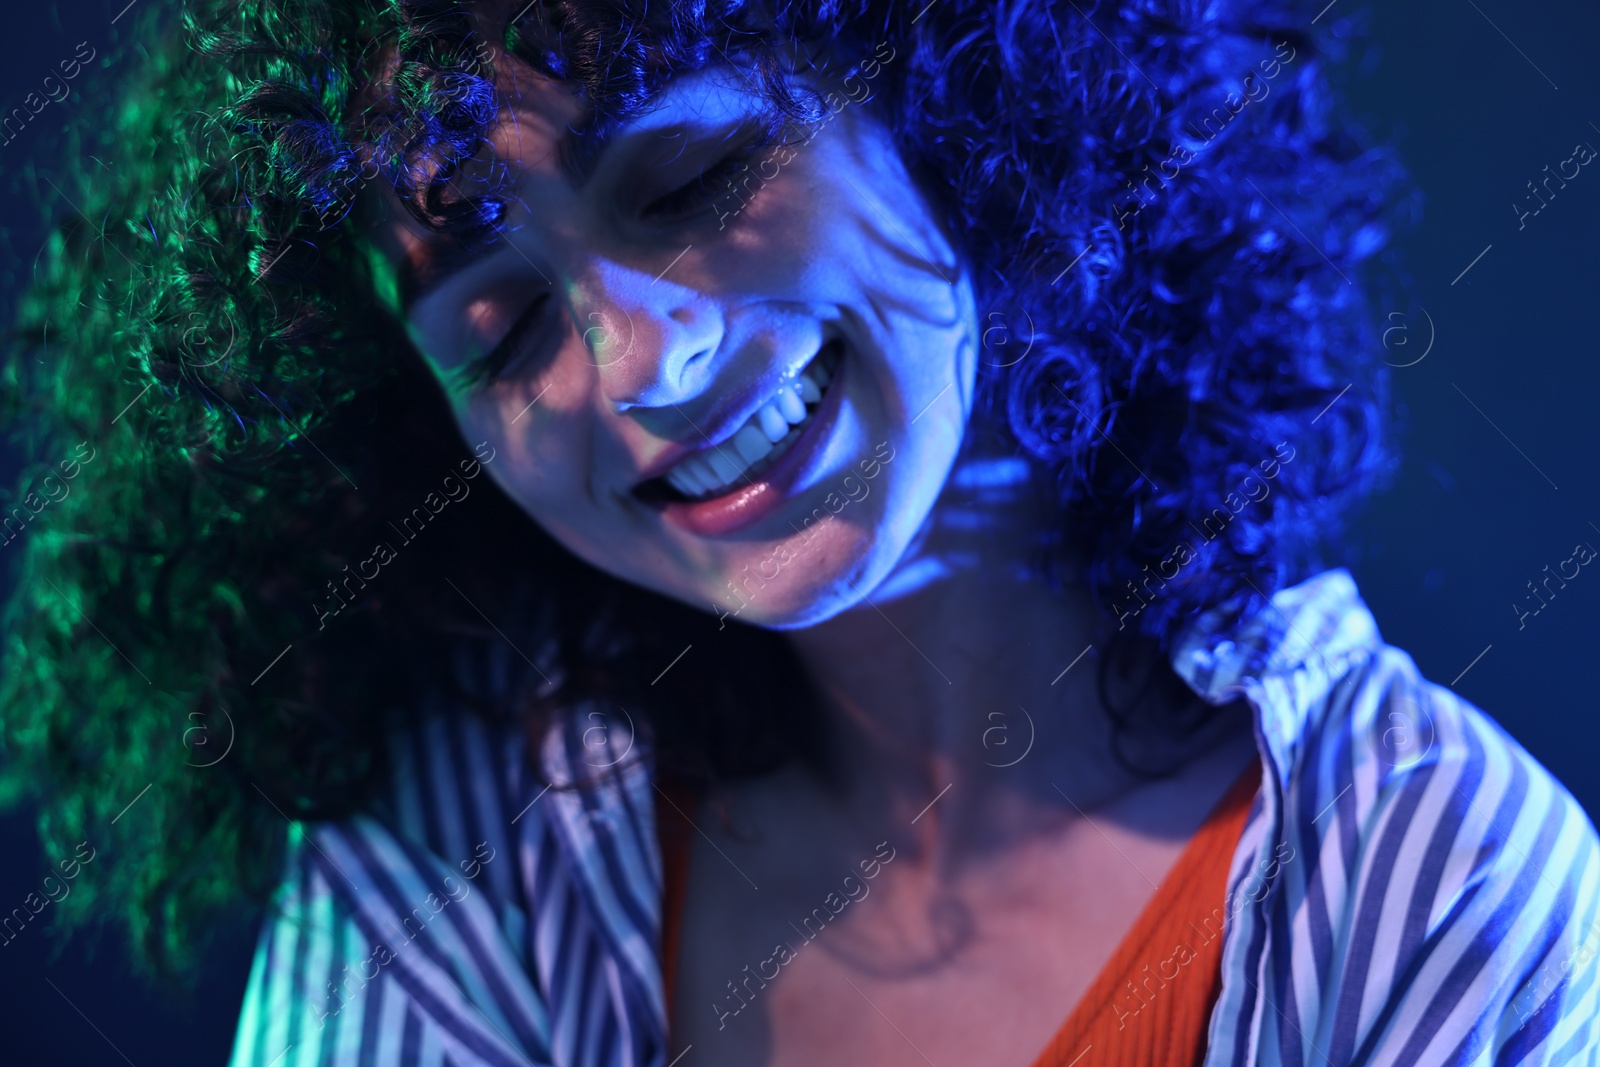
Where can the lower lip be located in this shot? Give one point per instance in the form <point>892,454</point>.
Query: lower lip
<point>751,503</point>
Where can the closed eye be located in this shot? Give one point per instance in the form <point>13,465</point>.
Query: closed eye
<point>518,342</point>
<point>700,189</point>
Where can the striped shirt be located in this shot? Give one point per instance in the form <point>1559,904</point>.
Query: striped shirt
<point>1411,887</point>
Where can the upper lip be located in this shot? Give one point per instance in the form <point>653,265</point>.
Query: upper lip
<point>730,410</point>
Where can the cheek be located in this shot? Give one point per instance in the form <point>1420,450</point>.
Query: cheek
<point>539,447</point>
<point>857,235</point>
<point>843,213</point>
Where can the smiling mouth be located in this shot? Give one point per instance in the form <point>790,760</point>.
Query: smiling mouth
<point>757,445</point>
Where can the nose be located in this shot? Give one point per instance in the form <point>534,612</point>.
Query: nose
<point>654,341</point>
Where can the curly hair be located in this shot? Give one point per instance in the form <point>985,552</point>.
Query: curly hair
<point>258,418</point>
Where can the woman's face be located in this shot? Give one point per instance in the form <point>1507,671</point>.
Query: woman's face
<point>744,393</point>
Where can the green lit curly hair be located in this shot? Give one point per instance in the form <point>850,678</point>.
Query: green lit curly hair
<point>243,416</point>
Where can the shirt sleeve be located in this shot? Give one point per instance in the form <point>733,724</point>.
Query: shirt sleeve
<point>1449,912</point>
<point>375,952</point>
<point>1554,1015</point>
<point>1544,1008</point>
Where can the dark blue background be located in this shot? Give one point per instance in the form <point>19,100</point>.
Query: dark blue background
<point>1484,500</point>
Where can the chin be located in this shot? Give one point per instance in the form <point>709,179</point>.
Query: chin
<point>824,576</point>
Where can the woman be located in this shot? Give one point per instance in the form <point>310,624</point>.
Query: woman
<point>925,416</point>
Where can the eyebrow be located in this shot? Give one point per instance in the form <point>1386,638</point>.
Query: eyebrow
<point>579,151</point>
<point>440,260</point>
<point>578,155</point>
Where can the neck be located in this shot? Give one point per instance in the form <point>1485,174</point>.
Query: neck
<point>963,676</point>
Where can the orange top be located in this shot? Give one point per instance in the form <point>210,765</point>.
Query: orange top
<point>1152,1000</point>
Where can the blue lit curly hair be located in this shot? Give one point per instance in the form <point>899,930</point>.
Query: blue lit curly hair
<point>1156,198</point>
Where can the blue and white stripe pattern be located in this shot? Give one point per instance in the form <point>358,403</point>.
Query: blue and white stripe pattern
<point>1410,887</point>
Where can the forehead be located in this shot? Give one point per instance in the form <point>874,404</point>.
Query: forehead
<point>550,149</point>
<point>543,124</point>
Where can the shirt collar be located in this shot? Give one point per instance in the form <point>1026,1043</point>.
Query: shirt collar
<point>1284,656</point>
<point>601,809</point>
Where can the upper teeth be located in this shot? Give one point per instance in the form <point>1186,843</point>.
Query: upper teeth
<point>763,437</point>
